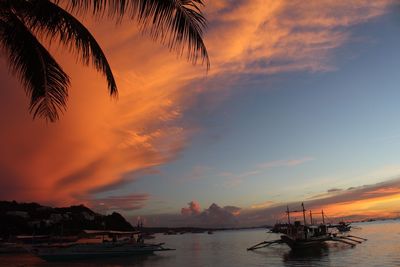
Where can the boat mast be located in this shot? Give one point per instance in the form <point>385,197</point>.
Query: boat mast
<point>304,214</point>
<point>288,214</point>
<point>323,217</point>
<point>311,221</point>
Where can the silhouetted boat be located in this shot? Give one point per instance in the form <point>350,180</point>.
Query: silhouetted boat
<point>113,248</point>
<point>302,236</point>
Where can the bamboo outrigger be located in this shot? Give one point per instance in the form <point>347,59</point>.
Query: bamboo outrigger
<point>300,236</point>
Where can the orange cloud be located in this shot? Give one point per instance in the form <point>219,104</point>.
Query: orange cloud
<point>382,205</point>
<point>192,209</point>
<point>273,36</point>
<point>98,142</point>
<point>379,200</point>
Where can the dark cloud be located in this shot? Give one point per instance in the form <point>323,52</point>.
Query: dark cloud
<point>332,190</point>
<point>219,217</point>
<point>124,203</point>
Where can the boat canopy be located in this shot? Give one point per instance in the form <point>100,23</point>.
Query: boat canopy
<point>107,232</point>
<point>24,237</point>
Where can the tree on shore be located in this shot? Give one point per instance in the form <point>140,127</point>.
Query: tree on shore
<point>24,23</point>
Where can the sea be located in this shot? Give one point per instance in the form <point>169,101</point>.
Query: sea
<point>228,248</point>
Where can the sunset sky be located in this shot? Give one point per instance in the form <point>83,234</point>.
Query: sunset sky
<point>301,103</point>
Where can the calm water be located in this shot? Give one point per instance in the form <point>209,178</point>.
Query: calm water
<point>229,249</point>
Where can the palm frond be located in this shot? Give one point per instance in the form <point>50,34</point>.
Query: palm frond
<point>44,80</point>
<point>48,18</point>
<point>178,23</point>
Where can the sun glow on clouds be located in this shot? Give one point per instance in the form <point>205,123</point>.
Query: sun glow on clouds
<point>383,202</point>
<point>381,199</point>
<point>98,141</point>
<point>374,200</point>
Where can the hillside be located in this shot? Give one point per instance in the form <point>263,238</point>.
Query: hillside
<point>33,218</point>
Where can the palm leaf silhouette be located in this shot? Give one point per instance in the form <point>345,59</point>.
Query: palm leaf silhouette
<point>177,23</point>
<point>48,18</point>
<point>44,80</point>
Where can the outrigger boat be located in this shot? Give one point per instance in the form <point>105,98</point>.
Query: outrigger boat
<point>301,236</point>
<point>127,246</point>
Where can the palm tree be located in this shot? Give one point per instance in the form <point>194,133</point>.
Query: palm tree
<point>24,23</point>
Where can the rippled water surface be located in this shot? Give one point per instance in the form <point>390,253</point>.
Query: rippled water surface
<point>228,248</point>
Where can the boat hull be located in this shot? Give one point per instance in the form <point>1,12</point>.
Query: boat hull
<point>11,248</point>
<point>90,251</point>
<point>82,256</point>
<point>304,244</point>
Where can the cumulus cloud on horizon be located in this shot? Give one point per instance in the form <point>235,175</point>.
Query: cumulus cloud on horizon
<point>192,216</point>
<point>354,203</point>
<point>192,209</point>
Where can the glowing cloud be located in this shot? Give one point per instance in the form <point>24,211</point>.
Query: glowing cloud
<point>193,209</point>
<point>375,200</point>
<point>98,142</point>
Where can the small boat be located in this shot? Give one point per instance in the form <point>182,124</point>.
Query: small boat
<point>342,226</point>
<point>279,228</point>
<point>105,248</point>
<point>210,232</point>
<point>170,232</point>
<point>305,236</point>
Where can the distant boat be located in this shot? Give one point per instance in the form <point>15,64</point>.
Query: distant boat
<point>170,232</point>
<point>279,228</point>
<point>303,236</point>
<point>210,232</point>
<point>113,248</point>
<point>197,231</point>
<point>342,226</point>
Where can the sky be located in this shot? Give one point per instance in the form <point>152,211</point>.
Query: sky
<point>300,105</point>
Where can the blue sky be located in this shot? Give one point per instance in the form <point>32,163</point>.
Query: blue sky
<point>342,123</point>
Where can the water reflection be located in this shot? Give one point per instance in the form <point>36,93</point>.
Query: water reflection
<point>228,248</point>
<point>140,260</point>
<point>306,257</point>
